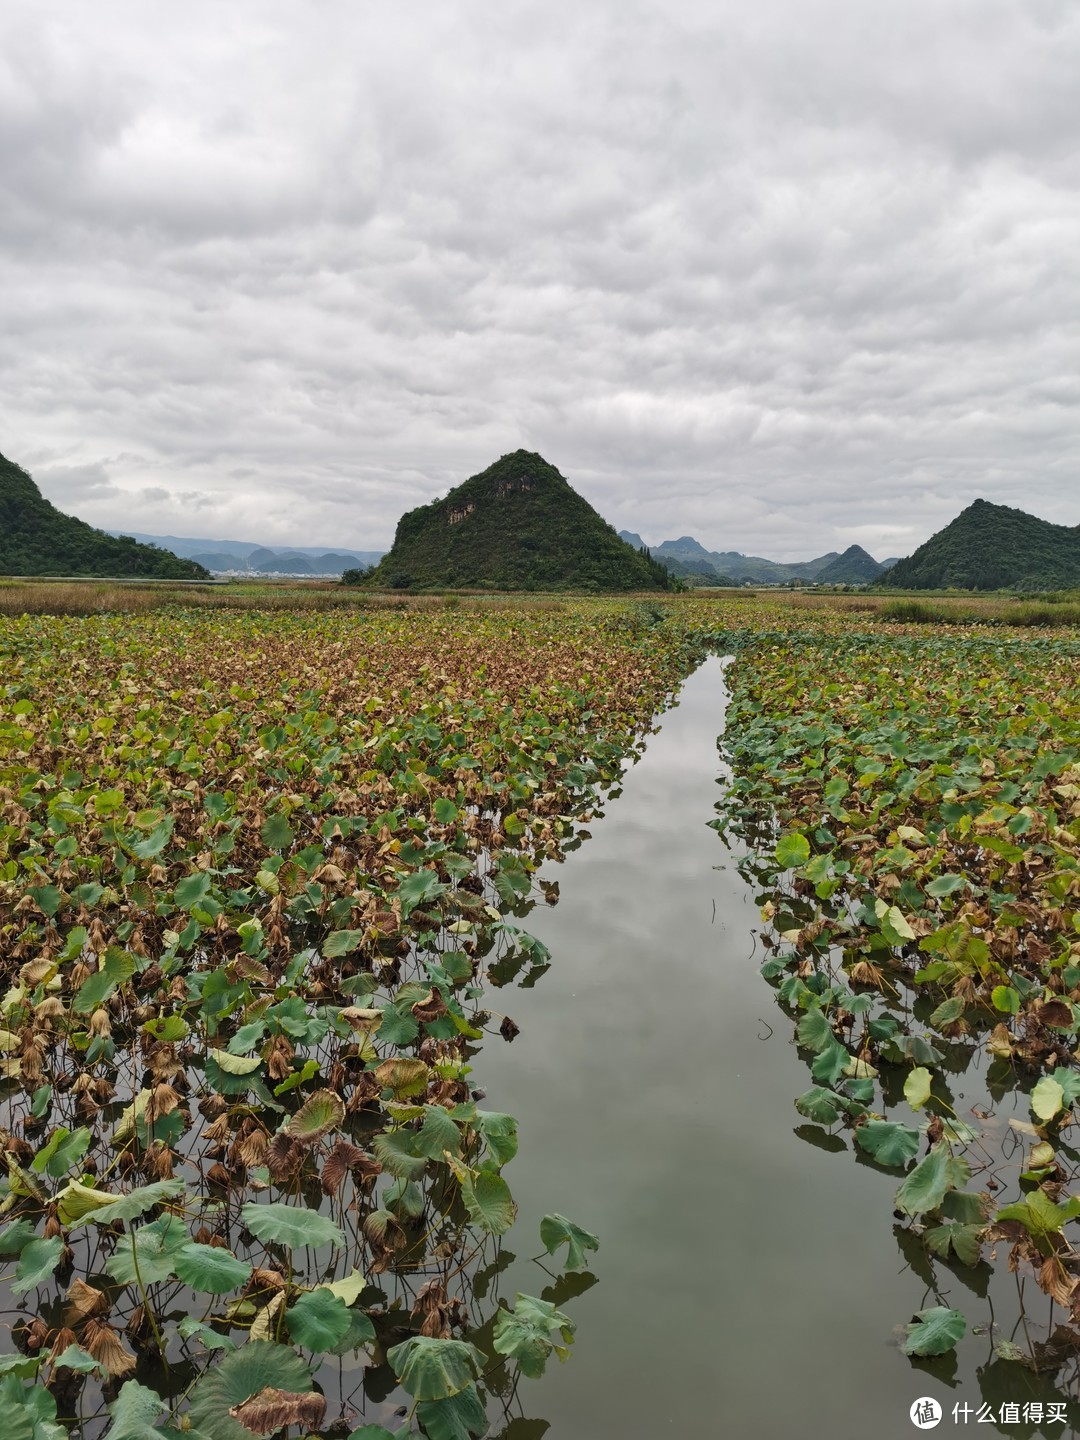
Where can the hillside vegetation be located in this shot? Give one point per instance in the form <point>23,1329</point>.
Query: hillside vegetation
<point>518,525</point>
<point>38,539</point>
<point>992,547</point>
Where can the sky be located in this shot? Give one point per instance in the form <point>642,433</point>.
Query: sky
<point>784,276</point>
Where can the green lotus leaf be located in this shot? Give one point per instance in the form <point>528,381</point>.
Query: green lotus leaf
<point>192,889</point>
<point>888,1142</point>
<point>277,833</point>
<point>530,1332</point>
<point>917,1087</point>
<point>318,1320</point>
<point>924,1189</point>
<point>82,1203</point>
<point>155,1246</point>
<point>63,1149</point>
<point>342,942</point>
<point>116,967</point>
<point>486,1197</point>
<point>820,1105</point>
<point>399,1153</point>
<point>963,1240</point>
<point>792,851</point>
<point>25,1367</point>
<point>134,1412</point>
<point>29,1411</point>
<point>438,1134</point>
<point>192,1328</point>
<point>461,1417</point>
<point>936,1331</point>
<point>74,1357</point>
<point>290,1225</point>
<point>210,1268</point>
<point>556,1230</point>
<point>500,1133</point>
<point>347,1289</point>
<point>419,889</point>
<point>37,1262</point>
<point>1047,1098</point>
<point>239,1376</point>
<point>895,926</point>
<point>235,1064</point>
<point>15,1237</point>
<point>429,1369</point>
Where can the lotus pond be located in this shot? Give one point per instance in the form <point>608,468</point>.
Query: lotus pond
<point>268,881</point>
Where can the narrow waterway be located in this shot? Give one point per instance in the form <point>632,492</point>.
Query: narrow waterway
<point>748,1281</point>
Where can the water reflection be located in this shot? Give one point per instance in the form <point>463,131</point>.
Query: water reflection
<point>746,1280</point>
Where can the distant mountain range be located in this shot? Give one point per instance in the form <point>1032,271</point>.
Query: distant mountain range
<point>223,557</point>
<point>993,547</point>
<point>38,539</point>
<point>688,558</point>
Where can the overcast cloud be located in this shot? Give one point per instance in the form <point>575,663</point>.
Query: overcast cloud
<point>784,275</point>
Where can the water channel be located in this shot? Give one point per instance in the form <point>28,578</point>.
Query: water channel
<point>748,1280</point>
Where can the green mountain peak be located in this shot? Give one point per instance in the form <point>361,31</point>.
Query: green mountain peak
<point>992,547</point>
<point>38,539</point>
<point>518,525</point>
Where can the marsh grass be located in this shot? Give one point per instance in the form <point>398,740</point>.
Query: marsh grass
<point>85,597</point>
<point>946,609</point>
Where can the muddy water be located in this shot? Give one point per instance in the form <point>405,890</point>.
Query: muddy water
<point>748,1281</point>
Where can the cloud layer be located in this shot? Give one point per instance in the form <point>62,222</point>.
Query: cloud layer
<point>783,277</point>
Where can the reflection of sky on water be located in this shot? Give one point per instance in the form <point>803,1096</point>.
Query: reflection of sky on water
<point>749,1284</point>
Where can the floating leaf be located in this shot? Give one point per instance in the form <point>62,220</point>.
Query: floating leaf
<point>429,1369</point>
<point>460,1417</point>
<point>290,1225</point>
<point>889,1143</point>
<point>134,1412</point>
<point>236,1378</point>
<point>487,1198</point>
<point>37,1262</point>
<point>556,1230</point>
<point>209,1268</point>
<point>277,833</point>
<point>937,1330</point>
<point>530,1332</point>
<point>792,851</point>
<point>320,1113</point>
<point>236,1064</point>
<point>155,1246</point>
<point>917,1087</point>
<point>895,927</point>
<point>924,1189</point>
<point>80,1203</point>
<point>403,1075</point>
<point>318,1320</point>
<point>1047,1098</point>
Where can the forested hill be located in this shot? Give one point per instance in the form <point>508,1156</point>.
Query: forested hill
<point>518,525</point>
<point>38,539</point>
<point>992,547</point>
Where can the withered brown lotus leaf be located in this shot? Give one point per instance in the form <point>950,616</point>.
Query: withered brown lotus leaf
<point>108,1349</point>
<point>84,1301</point>
<point>1054,1012</point>
<point>272,1410</point>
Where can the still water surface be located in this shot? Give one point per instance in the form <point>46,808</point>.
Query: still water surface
<point>748,1281</point>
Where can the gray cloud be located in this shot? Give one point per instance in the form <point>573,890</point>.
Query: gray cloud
<point>782,277</point>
